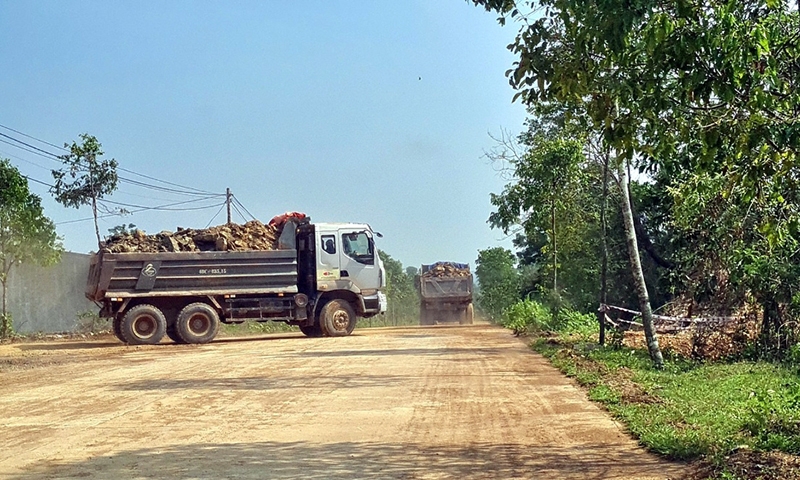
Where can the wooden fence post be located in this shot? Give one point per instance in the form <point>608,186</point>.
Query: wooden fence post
<point>601,317</point>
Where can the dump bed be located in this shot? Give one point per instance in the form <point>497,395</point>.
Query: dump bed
<point>446,288</point>
<point>191,273</point>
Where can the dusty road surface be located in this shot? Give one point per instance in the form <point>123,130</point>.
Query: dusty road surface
<point>467,402</point>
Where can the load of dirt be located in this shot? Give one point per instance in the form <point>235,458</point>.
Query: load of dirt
<point>253,235</point>
<point>446,269</point>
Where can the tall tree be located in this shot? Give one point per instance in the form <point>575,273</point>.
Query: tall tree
<point>400,290</point>
<point>498,279</point>
<point>26,234</point>
<point>86,177</point>
<point>542,193</point>
<point>712,84</point>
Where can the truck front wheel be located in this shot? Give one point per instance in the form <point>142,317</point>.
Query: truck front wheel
<point>197,323</point>
<point>337,318</point>
<point>143,325</point>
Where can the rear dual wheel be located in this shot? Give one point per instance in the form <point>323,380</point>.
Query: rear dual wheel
<point>141,325</point>
<point>197,323</point>
<point>468,315</point>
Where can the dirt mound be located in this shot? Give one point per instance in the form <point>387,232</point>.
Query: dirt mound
<point>253,235</point>
<point>446,269</point>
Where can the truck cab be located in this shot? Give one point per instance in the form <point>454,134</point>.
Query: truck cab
<point>339,261</point>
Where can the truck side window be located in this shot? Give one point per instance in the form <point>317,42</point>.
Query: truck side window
<point>329,244</point>
<point>359,247</point>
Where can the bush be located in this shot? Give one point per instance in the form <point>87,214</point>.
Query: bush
<point>529,316</point>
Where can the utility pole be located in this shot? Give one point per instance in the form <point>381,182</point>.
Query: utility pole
<point>228,202</point>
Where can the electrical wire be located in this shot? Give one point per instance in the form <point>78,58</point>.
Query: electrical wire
<point>25,160</point>
<point>33,138</point>
<point>160,207</point>
<point>215,215</point>
<point>239,212</point>
<point>166,189</point>
<point>157,208</point>
<point>245,208</point>
<point>17,143</point>
<point>166,182</point>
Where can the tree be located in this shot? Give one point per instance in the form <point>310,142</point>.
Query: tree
<point>400,291</point>
<point>26,234</point>
<point>86,178</point>
<point>542,192</point>
<point>498,279</point>
<point>122,229</point>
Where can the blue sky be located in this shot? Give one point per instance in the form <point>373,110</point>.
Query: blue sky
<point>376,112</point>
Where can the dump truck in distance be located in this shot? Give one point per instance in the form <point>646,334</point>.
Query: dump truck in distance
<point>321,277</point>
<point>445,293</point>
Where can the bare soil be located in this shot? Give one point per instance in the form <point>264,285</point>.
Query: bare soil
<point>442,402</point>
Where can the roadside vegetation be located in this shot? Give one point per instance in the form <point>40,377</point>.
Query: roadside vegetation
<point>736,418</point>
<point>657,180</point>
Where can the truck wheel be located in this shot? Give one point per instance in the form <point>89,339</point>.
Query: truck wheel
<point>467,316</point>
<point>424,316</point>
<point>173,334</point>
<point>197,323</point>
<point>337,319</point>
<point>172,318</point>
<point>116,325</point>
<point>312,330</point>
<point>143,325</point>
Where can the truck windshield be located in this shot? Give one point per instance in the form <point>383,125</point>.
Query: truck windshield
<point>358,246</point>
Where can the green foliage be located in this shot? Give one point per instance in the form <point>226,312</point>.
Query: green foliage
<point>122,229</point>
<point>688,410</point>
<point>499,281</point>
<point>529,316</point>
<point>402,295</point>
<point>86,177</point>
<point>26,234</point>
<point>704,97</point>
<point>775,418</point>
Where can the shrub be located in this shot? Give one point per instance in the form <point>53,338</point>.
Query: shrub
<point>526,316</point>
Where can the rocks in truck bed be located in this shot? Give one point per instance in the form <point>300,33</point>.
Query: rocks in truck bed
<point>253,235</point>
<point>446,269</point>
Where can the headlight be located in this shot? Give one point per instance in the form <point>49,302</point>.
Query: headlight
<point>301,300</point>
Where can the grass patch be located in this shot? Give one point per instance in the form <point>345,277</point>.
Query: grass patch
<point>692,410</point>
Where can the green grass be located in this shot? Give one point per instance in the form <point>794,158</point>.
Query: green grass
<point>689,410</point>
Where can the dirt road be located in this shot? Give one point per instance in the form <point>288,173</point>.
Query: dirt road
<point>405,403</point>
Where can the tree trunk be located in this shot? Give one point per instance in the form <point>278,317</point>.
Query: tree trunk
<point>94,214</point>
<point>604,263</point>
<point>555,247</point>
<point>636,270</point>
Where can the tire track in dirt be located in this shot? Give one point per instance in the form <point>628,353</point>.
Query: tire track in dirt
<point>397,403</point>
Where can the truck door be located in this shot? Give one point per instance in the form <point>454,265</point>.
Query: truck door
<point>328,256</point>
<point>357,259</point>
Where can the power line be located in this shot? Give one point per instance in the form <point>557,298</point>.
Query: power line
<point>38,181</point>
<point>160,207</point>
<point>55,157</point>
<point>166,182</point>
<point>239,212</point>
<point>166,189</point>
<point>245,208</point>
<point>215,215</point>
<point>33,138</point>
